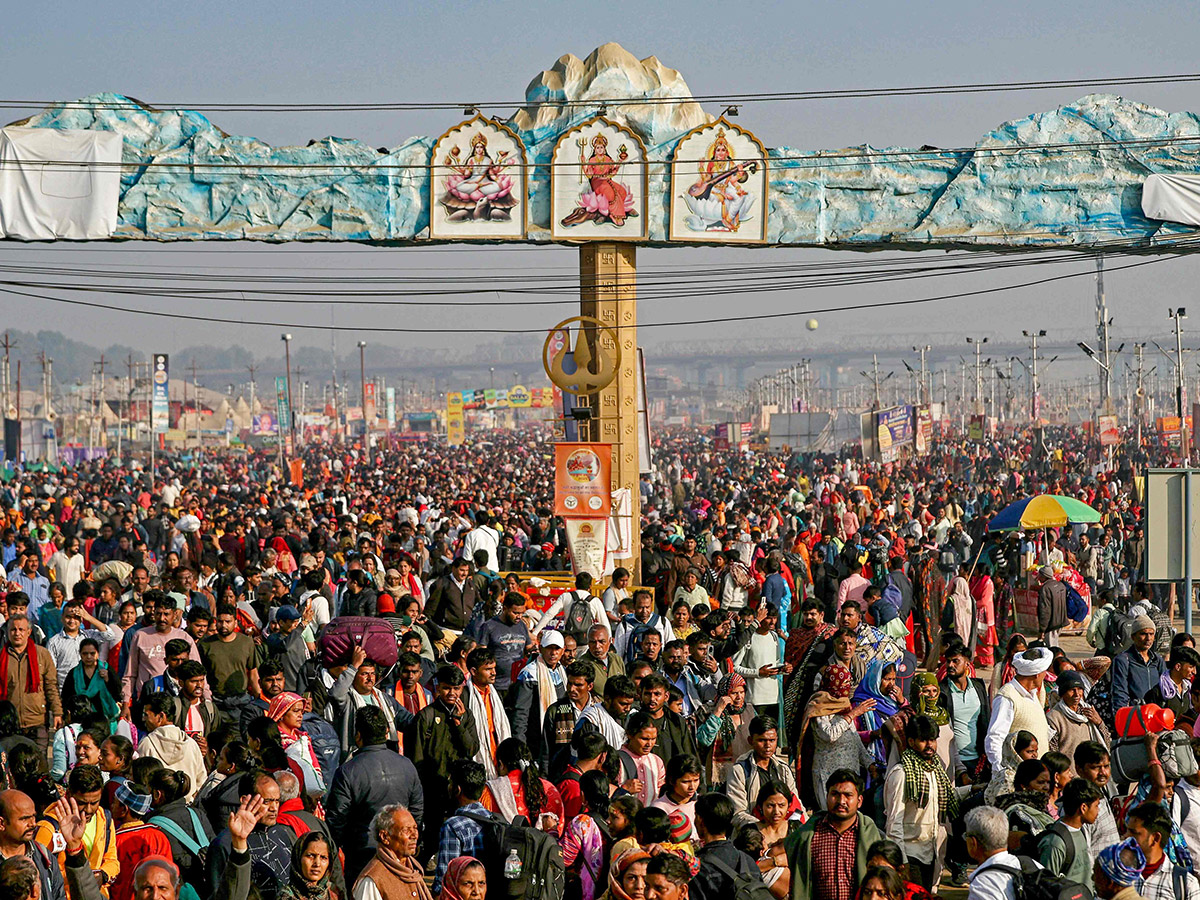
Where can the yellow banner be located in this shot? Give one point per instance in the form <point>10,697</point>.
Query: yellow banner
<point>456,427</point>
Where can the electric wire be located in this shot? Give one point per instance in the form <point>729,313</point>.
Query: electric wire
<point>758,317</point>
<point>688,284</point>
<point>727,98</point>
<point>848,158</point>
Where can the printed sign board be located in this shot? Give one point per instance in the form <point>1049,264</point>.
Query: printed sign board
<point>583,480</point>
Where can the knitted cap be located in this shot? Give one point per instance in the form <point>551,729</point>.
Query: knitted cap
<point>681,827</point>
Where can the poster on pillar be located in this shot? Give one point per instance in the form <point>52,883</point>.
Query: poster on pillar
<point>1109,431</point>
<point>587,539</point>
<point>598,184</point>
<point>583,480</point>
<point>456,428</point>
<point>719,186</point>
<point>369,406</point>
<point>477,183</point>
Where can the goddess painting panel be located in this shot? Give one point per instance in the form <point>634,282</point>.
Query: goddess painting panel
<point>479,191</point>
<point>599,184</point>
<point>719,186</point>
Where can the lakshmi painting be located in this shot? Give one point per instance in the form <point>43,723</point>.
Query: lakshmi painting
<point>719,186</point>
<point>598,173</point>
<point>477,183</point>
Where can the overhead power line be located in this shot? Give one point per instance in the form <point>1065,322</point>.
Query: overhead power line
<point>850,158</point>
<point>730,98</point>
<point>391,329</point>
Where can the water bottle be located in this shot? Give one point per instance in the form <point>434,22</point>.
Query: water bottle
<point>512,866</point>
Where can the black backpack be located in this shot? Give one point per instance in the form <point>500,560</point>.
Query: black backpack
<point>1059,830</point>
<point>1118,635</point>
<point>579,618</point>
<point>745,887</point>
<point>1031,882</point>
<point>542,870</point>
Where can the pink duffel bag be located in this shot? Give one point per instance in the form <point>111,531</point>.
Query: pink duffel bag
<point>344,633</point>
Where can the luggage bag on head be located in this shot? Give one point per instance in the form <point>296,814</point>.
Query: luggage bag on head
<point>344,633</point>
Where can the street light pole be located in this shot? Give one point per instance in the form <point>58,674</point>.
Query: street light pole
<point>1033,371</point>
<point>1180,391</point>
<point>924,391</point>
<point>287,354</point>
<point>362,372</point>
<point>978,344</point>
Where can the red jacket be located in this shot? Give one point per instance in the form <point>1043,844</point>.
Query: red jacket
<point>136,842</point>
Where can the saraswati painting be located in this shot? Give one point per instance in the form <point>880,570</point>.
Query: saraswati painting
<point>477,183</point>
<point>719,186</point>
<point>599,184</point>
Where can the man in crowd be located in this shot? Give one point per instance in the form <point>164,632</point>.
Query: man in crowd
<point>828,858</point>
<point>371,779</point>
<point>147,649</point>
<point>29,681</point>
<point>1136,670</point>
<point>1017,706</point>
<point>539,685</point>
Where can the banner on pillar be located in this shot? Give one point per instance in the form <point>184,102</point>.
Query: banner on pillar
<point>369,410</point>
<point>1109,431</point>
<point>456,429</point>
<point>390,395</point>
<point>160,402</point>
<point>587,539</point>
<point>283,412</point>
<point>583,480</point>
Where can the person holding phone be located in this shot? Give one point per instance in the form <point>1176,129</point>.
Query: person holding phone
<point>760,662</point>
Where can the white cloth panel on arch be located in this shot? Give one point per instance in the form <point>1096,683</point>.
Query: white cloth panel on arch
<point>59,184</point>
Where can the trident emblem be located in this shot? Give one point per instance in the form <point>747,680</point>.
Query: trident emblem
<point>597,356</point>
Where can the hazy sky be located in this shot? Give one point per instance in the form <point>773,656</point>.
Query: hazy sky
<point>475,51</point>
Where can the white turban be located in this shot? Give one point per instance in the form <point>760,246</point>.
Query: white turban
<point>1040,661</point>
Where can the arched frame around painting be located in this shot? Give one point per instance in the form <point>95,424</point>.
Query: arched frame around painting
<point>479,192</point>
<point>598,191</point>
<point>711,201</point>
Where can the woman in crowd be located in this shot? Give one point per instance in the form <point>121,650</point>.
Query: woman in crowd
<point>773,810</point>
<point>310,870</point>
<point>684,775</point>
<point>1018,747</point>
<point>522,790</point>
<point>836,744</point>
<point>93,680</point>
<point>889,855</point>
<point>878,685</point>
<point>726,733</point>
<point>287,711</point>
<point>465,879</point>
<point>1028,805</point>
<point>882,883</point>
<point>582,842</point>
<point>627,876</point>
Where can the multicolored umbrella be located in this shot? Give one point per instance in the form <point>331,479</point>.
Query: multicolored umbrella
<point>1043,511</point>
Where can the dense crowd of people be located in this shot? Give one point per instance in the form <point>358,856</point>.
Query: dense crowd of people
<point>825,678</point>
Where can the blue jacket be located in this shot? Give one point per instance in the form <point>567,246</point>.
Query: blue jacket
<point>1132,677</point>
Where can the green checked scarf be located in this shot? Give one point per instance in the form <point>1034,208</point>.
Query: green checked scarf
<point>916,786</point>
